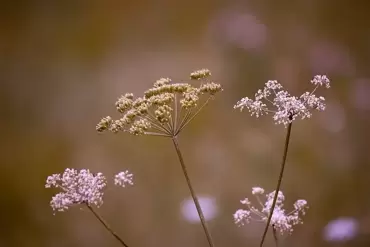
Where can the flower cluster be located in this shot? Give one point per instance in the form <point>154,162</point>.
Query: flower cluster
<point>281,221</point>
<point>79,187</point>
<point>158,111</point>
<point>288,107</point>
<point>123,178</point>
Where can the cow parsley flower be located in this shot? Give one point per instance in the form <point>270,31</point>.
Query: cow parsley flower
<point>286,108</point>
<point>123,178</point>
<point>163,110</point>
<point>281,221</point>
<point>77,187</point>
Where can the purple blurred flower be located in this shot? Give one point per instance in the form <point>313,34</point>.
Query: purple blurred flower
<point>360,94</point>
<point>341,229</point>
<point>208,205</point>
<point>239,28</point>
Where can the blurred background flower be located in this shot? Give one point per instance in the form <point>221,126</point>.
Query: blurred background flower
<point>189,211</point>
<point>341,229</point>
<point>63,63</point>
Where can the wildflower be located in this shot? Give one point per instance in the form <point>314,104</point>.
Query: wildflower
<point>164,110</point>
<point>281,221</point>
<point>77,187</point>
<point>287,107</point>
<point>123,179</point>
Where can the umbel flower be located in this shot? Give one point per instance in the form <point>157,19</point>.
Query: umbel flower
<point>163,110</point>
<point>81,187</point>
<point>281,221</point>
<point>286,108</point>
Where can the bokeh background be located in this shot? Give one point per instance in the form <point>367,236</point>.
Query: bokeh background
<point>64,63</point>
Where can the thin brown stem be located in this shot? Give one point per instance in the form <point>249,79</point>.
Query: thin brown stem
<point>153,121</point>
<point>278,183</point>
<point>171,124</point>
<point>105,224</point>
<point>192,192</point>
<point>275,236</point>
<point>175,113</point>
<point>157,134</point>
<point>184,123</point>
<point>183,120</point>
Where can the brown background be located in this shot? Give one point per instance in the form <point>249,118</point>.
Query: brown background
<point>64,63</point>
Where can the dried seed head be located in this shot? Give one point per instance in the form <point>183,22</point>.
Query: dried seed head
<point>165,109</point>
<point>200,74</point>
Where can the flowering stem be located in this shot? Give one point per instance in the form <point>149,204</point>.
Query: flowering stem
<point>105,224</point>
<point>195,198</point>
<point>278,183</point>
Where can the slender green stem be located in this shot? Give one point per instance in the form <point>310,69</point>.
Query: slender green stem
<point>278,183</point>
<point>192,192</point>
<point>105,224</point>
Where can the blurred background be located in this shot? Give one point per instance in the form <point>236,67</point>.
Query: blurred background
<point>64,63</point>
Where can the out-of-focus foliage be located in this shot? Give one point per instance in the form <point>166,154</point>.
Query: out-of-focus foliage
<point>63,63</point>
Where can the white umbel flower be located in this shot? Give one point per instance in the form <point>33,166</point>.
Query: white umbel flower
<point>77,187</point>
<point>286,108</point>
<point>281,221</point>
<point>123,179</point>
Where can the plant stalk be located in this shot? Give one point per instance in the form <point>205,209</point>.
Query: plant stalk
<point>278,183</point>
<point>193,195</point>
<point>105,224</point>
<point>275,236</point>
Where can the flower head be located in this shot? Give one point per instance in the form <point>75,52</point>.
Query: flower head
<point>123,178</point>
<point>281,221</point>
<point>200,74</point>
<point>77,187</point>
<point>164,110</point>
<point>286,108</point>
